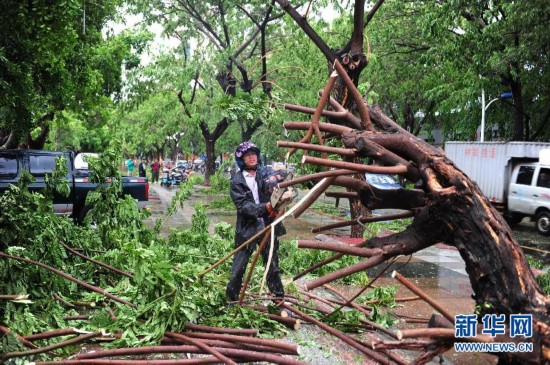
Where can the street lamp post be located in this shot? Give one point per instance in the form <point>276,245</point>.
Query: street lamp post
<point>484,107</point>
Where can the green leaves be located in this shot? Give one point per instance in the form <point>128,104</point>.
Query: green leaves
<point>199,220</point>
<point>57,181</point>
<point>48,62</point>
<point>10,343</point>
<point>429,58</point>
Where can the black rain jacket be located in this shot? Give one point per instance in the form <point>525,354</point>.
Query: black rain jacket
<point>248,211</point>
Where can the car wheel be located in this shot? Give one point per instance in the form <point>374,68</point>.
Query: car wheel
<point>543,223</point>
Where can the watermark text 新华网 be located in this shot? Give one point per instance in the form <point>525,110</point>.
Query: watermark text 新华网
<point>521,325</point>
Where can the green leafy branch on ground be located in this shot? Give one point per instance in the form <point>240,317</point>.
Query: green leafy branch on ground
<point>219,183</point>
<point>162,280</point>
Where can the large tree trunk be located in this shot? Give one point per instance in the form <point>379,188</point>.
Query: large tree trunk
<point>447,206</point>
<point>452,209</point>
<point>210,143</point>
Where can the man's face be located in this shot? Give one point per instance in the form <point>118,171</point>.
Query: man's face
<point>250,158</point>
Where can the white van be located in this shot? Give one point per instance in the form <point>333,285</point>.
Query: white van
<point>529,194</point>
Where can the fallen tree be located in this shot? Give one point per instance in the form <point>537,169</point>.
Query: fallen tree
<point>447,206</point>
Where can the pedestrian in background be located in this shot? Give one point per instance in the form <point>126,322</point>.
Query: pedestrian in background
<point>142,168</point>
<point>130,167</point>
<point>155,167</point>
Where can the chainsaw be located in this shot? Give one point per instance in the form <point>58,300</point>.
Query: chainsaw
<point>280,197</point>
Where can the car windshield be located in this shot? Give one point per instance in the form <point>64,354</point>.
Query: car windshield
<point>382,181</point>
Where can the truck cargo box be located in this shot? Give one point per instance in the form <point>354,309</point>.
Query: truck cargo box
<point>489,164</point>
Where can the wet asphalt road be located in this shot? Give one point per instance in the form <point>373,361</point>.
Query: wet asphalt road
<point>533,243</point>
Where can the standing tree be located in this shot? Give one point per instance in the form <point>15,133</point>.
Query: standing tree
<point>446,205</point>
<point>53,58</point>
<point>231,48</point>
<point>437,59</point>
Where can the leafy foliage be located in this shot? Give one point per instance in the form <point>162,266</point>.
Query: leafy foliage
<point>427,60</point>
<point>544,282</point>
<point>164,286</point>
<point>385,297</point>
<point>219,183</point>
<point>53,57</point>
<point>225,204</point>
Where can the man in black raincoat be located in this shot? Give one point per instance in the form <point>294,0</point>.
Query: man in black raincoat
<point>251,191</point>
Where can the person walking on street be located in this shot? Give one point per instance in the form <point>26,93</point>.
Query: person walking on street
<point>250,192</point>
<point>130,166</point>
<point>155,167</point>
<point>142,168</point>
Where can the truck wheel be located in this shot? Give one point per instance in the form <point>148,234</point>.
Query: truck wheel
<point>543,223</point>
<point>513,219</point>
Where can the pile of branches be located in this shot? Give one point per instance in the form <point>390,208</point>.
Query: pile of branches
<point>125,288</point>
<point>217,345</point>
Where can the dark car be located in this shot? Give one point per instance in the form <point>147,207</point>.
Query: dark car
<point>40,163</point>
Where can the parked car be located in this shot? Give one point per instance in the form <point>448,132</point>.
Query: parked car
<point>40,163</point>
<point>81,163</point>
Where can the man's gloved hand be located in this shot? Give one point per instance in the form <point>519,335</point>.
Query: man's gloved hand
<point>272,212</point>
<point>275,178</point>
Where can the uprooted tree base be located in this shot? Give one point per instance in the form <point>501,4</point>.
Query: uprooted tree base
<point>448,208</point>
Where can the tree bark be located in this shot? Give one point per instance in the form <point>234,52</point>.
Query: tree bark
<point>451,209</point>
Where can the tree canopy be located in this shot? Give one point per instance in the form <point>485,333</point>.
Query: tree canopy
<point>436,58</point>
<point>67,80</point>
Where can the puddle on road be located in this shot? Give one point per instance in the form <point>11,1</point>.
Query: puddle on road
<point>439,276</point>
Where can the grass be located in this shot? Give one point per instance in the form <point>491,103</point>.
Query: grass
<point>224,203</point>
<point>329,209</point>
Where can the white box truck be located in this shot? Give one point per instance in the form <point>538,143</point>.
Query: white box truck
<point>514,176</point>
